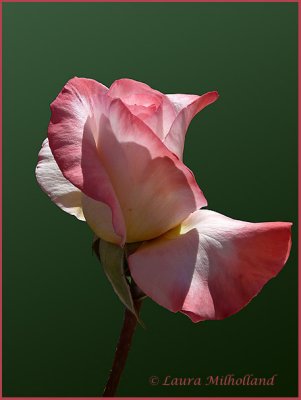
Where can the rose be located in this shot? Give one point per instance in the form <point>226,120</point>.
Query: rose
<point>113,158</point>
<point>104,143</point>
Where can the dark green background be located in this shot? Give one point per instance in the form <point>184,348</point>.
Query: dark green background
<point>61,318</point>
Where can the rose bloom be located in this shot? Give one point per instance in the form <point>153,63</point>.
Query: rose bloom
<point>113,158</point>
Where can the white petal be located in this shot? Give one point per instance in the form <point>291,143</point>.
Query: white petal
<point>59,189</point>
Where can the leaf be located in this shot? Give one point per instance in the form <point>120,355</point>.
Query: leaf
<point>112,260</point>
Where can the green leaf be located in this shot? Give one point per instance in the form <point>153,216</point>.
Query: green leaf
<point>112,259</point>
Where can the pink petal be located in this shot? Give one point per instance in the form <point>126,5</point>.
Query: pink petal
<point>155,190</point>
<point>186,106</point>
<point>149,105</point>
<point>59,189</point>
<point>76,116</point>
<point>211,266</point>
<point>132,92</point>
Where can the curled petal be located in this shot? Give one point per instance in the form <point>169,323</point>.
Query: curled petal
<point>211,266</point>
<point>187,106</point>
<point>76,115</point>
<point>59,189</point>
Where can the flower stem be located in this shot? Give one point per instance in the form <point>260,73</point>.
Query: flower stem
<point>122,350</point>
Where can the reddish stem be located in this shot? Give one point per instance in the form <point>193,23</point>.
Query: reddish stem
<point>122,350</point>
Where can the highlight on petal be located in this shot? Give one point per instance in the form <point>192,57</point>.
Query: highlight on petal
<point>186,106</point>
<point>76,115</point>
<point>59,189</point>
<point>210,266</point>
<point>155,190</point>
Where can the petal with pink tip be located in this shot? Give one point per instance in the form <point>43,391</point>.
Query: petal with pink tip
<point>186,106</point>
<point>155,190</point>
<point>59,189</point>
<point>211,266</point>
<point>149,105</point>
<point>132,92</point>
<point>76,116</point>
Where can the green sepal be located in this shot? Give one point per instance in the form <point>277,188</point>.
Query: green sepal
<point>112,258</point>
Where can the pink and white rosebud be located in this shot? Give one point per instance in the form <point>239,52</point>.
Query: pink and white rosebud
<point>113,158</point>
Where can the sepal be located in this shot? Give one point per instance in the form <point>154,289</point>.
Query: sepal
<point>112,258</point>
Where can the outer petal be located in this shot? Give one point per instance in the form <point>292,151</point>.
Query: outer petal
<point>62,192</point>
<point>155,190</point>
<point>211,266</point>
<point>99,217</point>
<point>149,105</point>
<point>186,106</point>
<point>75,119</point>
<point>70,199</point>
